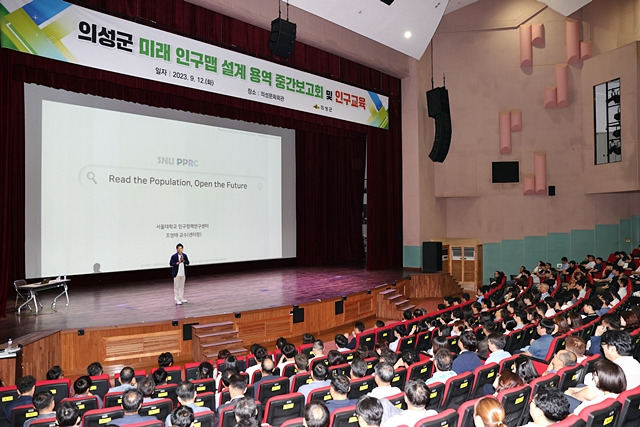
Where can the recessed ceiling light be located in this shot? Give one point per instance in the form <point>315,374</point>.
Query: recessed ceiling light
<point>407,34</point>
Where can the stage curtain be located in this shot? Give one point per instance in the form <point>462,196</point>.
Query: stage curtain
<point>336,145</point>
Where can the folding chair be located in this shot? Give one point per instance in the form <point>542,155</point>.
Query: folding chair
<point>20,294</point>
<point>603,414</point>
<point>206,400</point>
<point>204,419</point>
<point>282,408</point>
<point>630,414</point>
<point>457,390</point>
<point>321,394</point>
<point>271,388</point>
<point>100,385</point>
<point>344,417</point>
<point>447,418</point>
<point>341,369</point>
<point>420,370</point>
<point>59,388</point>
<point>157,408</point>
<point>436,394</point>
<point>84,403</point>
<point>569,376</point>
<point>361,386</point>
<point>485,374</point>
<point>100,417</point>
<point>465,413</point>
<point>300,380</point>
<point>516,404</point>
<point>22,413</point>
<point>399,378</point>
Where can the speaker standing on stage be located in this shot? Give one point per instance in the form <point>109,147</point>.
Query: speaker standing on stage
<point>178,262</point>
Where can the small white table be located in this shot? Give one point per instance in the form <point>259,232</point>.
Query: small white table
<point>33,288</point>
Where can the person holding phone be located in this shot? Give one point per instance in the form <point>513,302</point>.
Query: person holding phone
<point>178,262</point>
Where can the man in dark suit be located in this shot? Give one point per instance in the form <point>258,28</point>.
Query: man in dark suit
<point>468,360</point>
<point>178,262</point>
<point>237,389</point>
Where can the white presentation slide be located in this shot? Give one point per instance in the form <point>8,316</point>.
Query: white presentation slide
<point>114,186</point>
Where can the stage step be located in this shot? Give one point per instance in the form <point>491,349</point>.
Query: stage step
<point>209,339</point>
<point>238,352</point>
<point>391,302</point>
<point>215,327</point>
<point>217,336</point>
<point>392,298</point>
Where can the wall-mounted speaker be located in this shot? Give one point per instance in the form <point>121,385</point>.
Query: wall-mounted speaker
<point>552,190</point>
<point>339,307</point>
<point>437,101</point>
<point>298,314</point>
<point>431,257</point>
<point>283,37</point>
<point>438,108</point>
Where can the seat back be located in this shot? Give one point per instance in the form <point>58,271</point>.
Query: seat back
<point>507,364</point>
<point>59,388</point>
<point>100,417</point>
<point>423,341</point>
<point>515,342</point>
<point>321,394</point>
<point>7,395</point>
<point>113,399</point>
<point>205,385</point>
<point>485,374</point>
<point>399,378</point>
<point>152,423</point>
<point>371,364</point>
<point>465,413</point>
<point>453,344</point>
<point>341,369</point>
<point>603,414</point>
<point>157,408</point>
<point>569,376</point>
<point>367,339</point>
<point>630,413</point>
<point>420,370</point>
<point>384,333</point>
<point>398,401</point>
<point>407,343</point>
<point>84,403</point>
<point>174,374</point>
<point>571,421</point>
<point>447,418</point>
<point>457,390</point>
<point>549,380</point>
<point>557,344</point>
<point>45,422</point>
<point>436,394</point>
<point>588,365</point>
<point>289,370</point>
<point>344,417</point>
<point>100,385</point>
<point>307,350</point>
<point>300,380</point>
<point>293,422</point>
<point>206,400</point>
<point>271,388</point>
<point>138,374</point>
<point>361,386</point>
<point>204,419</point>
<point>516,404</point>
<point>22,413</point>
<point>167,391</point>
<point>284,407</point>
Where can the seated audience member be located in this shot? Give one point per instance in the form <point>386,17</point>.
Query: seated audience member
<point>575,321</point>
<point>369,411</point>
<point>467,360</point>
<point>288,353</point>
<point>609,322</point>
<point>509,324</point>
<point>127,380</point>
<point>280,342</point>
<point>318,349</point>
<point>147,387</point>
<point>416,395</point>
<point>160,377</point>
<point>482,348</point>
<point>399,331</point>
<point>55,373</point>
<point>267,368</point>
<point>165,360</point>
<point>82,388</point>
<point>246,413</point>
<point>520,317</point>
<point>316,414</point>
<point>260,354</point>
<point>318,379</point>
<point>131,403</point>
<point>26,387</point>
<point>358,328</point>
<point>547,407</point>
<point>577,346</point>
<point>358,368</point>
<point>589,309</point>
<point>379,324</point>
<point>230,364</point>
<point>540,347</point>
<point>438,342</point>
<point>496,345</point>
<point>629,321</point>
<point>237,389</point>
<point>408,357</point>
<point>383,375</point>
<point>386,355</point>
<point>339,390</point>
<point>506,380</point>
<point>562,326</point>
<point>334,358</point>
<point>205,370</point>
<point>181,416</point>
<point>94,369</point>
<point>488,412</point>
<point>525,369</point>
<point>562,359</point>
<point>302,363</point>
<point>68,415</point>
<point>45,405</point>
<point>307,338</point>
<point>341,342</point>
<point>609,380</point>
<point>442,365</point>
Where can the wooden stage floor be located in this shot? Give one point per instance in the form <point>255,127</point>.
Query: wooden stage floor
<point>152,301</point>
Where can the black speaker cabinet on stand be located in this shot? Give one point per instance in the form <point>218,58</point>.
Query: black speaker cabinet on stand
<point>431,257</point>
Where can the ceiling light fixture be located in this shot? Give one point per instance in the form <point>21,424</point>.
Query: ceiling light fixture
<point>407,34</point>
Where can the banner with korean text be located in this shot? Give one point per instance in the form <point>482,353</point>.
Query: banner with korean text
<point>59,30</point>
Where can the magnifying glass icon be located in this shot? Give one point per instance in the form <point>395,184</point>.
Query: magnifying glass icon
<point>92,177</point>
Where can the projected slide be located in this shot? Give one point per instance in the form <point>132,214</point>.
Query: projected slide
<point>117,191</point>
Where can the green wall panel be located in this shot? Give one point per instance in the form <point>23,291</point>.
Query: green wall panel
<point>607,239</point>
<point>491,260</point>
<point>582,242</point>
<point>535,249</point>
<point>512,256</point>
<point>412,256</point>
<point>625,232</point>
<point>558,245</point>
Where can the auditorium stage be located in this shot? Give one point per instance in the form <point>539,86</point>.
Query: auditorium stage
<point>151,301</point>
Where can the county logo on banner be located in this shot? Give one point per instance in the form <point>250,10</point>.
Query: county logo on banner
<point>65,32</point>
